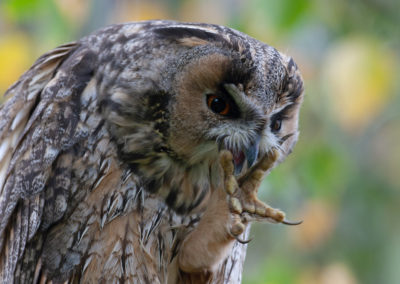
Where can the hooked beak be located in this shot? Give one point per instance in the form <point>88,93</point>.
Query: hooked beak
<point>249,154</point>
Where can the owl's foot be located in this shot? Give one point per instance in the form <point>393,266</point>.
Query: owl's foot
<point>222,221</point>
<point>242,194</point>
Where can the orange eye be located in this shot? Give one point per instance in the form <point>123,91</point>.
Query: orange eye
<point>218,104</point>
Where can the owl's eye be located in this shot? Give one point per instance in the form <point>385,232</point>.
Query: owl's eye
<point>276,124</point>
<point>218,104</point>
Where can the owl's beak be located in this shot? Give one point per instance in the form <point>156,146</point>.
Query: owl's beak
<point>252,152</point>
<point>249,154</point>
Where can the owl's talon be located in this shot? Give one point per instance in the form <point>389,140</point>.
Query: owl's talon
<point>243,242</point>
<point>290,223</point>
<point>236,236</point>
<point>237,229</point>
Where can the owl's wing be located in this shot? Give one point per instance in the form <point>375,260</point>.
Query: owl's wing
<point>22,97</point>
<point>37,122</point>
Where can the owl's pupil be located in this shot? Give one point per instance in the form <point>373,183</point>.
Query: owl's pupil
<point>276,125</point>
<point>218,105</point>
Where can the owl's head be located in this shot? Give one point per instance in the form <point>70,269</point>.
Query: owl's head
<point>245,100</point>
<point>183,92</point>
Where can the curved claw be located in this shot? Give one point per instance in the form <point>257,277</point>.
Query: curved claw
<point>290,223</point>
<point>243,242</point>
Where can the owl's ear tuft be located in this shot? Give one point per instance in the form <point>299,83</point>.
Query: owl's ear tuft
<point>292,86</point>
<point>189,36</point>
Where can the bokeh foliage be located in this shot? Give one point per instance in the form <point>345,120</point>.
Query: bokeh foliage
<point>343,176</point>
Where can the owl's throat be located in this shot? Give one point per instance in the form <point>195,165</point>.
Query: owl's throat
<point>238,161</point>
<point>248,154</point>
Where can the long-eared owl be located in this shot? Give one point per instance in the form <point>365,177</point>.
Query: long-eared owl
<point>134,155</point>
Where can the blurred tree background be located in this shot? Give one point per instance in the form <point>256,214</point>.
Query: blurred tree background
<point>343,178</point>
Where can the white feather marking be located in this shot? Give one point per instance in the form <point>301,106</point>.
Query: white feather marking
<point>113,264</point>
<point>209,29</point>
<point>5,157</point>
<point>114,208</point>
<point>103,221</point>
<point>20,117</point>
<point>55,56</point>
<point>33,92</point>
<point>280,108</point>
<point>5,145</point>
<point>80,236</point>
<point>87,262</point>
<point>268,142</point>
<point>129,30</point>
<point>89,93</point>
<point>83,115</point>
<point>39,77</point>
<point>34,222</point>
<point>129,250</point>
<point>49,111</point>
<point>3,172</point>
<point>120,97</point>
<point>235,137</point>
<point>38,269</point>
<point>105,165</point>
<point>51,153</point>
<point>66,47</point>
<point>92,219</point>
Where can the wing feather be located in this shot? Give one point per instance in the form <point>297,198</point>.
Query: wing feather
<point>19,216</point>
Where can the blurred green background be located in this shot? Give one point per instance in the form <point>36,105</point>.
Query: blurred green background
<point>343,177</point>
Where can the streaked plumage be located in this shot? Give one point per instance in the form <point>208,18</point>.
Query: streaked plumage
<point>109,148</point>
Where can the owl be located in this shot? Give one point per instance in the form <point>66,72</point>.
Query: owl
<point>134,155</point>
